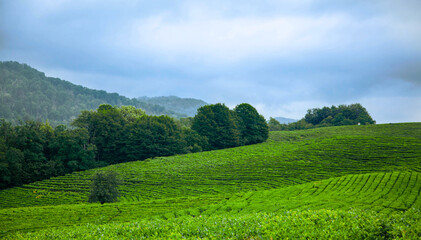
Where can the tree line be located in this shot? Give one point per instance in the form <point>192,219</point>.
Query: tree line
<point>341,115</point>
<point>33,151</point>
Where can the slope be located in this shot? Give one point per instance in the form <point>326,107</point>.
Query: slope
<point>386,193</point>
<point>372,167</point>
<point>187,106</point>
<point>286,159</point>
<point>26,93</point>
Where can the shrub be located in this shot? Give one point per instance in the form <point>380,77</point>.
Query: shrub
<point>104,187</point>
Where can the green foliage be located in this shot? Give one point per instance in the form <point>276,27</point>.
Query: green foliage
<point>387,193</point>
<point>382,192</point>
<point>274,125</point>
<point>336,116</point>
<point>105,126</point>
<point>218,124</point>
<point>225,128</point>
<point>71,148</point>
<point>371,168</point>
<point>308,224</point>
<point>194,142</point>
<point>353,114</point>
<point>104,187</point>
<point>286,159</point>
<point>185,122</point>
<point>34,151</point>
<point>125,133</point>
<point>27,94</point>
<point>151,136</point>
<point>253,127</point>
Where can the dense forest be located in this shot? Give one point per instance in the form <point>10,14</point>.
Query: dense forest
<point>352,114</point>
<point>27,94</point>
<point>32,150</point>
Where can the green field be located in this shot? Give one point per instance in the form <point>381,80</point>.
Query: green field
<point>308,224</point>
<point>371,171</point>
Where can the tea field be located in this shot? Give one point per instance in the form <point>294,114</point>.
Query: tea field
<point>381,192</point>
<point>371,171</point>
<point>288,158</point>
<point>308,224</point>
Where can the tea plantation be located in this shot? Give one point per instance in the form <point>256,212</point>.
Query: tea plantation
<point>294,185</point>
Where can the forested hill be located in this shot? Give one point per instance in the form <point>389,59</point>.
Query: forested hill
<point>26,93</point>
<point>187,106</point>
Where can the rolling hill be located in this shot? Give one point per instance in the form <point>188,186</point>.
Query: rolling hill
<point>26,93</point>
<point>186,106</point>
<point>365,177</point>
<point>283,120</point>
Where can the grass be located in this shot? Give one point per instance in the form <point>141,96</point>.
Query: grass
<point>309,224</point>
<point>315,154</point>
<point>381,192</point>
<point>370,168</point>
<point>34,218</point>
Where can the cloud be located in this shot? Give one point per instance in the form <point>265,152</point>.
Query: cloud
<point>213,40</point>
<point>283,56</point>
<point>231,39</point>
<point>393,109</point>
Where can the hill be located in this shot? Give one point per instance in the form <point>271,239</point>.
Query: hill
<point>26,93</point>
<point>283,120</point>
<point>385,193</point>
<point>186,106</point>
<point>301,177</point>
<point>288,158</point>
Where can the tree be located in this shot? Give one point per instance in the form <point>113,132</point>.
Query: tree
<point>5,178</point>
<point>71,148</point>
<point>104,187</point>
<point>338,116</point>
<point>274,125</point>
<point>218,123</point>
<point>105,127</point>
<point>194,141</point>
<point>252,125</point>
<point>34,151</point>
<point>151,136</point>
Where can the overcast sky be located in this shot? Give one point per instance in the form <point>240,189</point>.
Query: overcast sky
<point>281,56</point>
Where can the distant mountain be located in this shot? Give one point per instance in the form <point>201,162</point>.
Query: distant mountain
<point>283,120</point>
<point>26,93</point>
<point>187,106</point>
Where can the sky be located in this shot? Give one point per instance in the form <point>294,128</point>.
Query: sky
<point>281,56</point>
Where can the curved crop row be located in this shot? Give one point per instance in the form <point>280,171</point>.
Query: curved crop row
<point>308,224</point>
<point>274,164</point>
<point>382,192</point>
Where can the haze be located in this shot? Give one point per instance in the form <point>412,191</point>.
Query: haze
<point>283,57</point>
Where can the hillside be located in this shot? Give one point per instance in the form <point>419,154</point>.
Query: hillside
<point>385,193</point>
<point>186,106</point>
<point>283,120</point>
<point>26,93</point>
<point>324,172</point>
<point>288,158</point>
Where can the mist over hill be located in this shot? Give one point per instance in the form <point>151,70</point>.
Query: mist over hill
<point>187,106</point>
<point>283,120</point>
<point>26,93</point>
